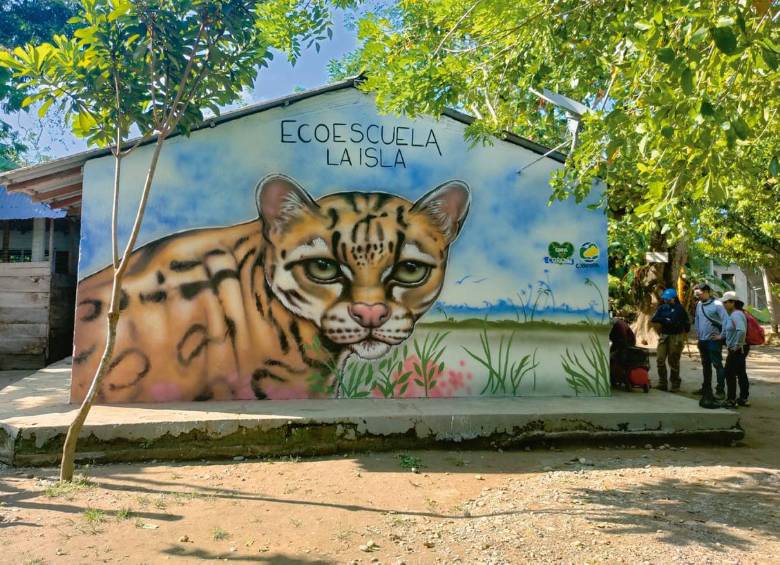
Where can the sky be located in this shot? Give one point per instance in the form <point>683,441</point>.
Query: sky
<point>280,78</point>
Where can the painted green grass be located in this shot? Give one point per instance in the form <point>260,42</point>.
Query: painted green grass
<point>391,374</point>
<point>589,373</point>
<point>505,367</point>
<point>429,354</point>
<point>356,380</point>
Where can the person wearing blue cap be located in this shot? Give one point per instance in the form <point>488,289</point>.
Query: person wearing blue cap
<point>672,323</point>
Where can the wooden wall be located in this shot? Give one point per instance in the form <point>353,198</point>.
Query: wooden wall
<point>36,309</point>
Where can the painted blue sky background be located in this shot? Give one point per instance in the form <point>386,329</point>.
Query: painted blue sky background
<point>210,179</point>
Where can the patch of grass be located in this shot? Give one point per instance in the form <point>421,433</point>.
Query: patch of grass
<point>409,461</point>
<point>142,500</point>
<point>345,535</point>
<point>180,497</point>
<point>94,516</point>
<point>69,489</point>
<point>219,534</point>
<point>160,503</point>
<point>123,513</point>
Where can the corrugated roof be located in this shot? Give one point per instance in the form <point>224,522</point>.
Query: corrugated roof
<point>58,182</point>
<point>16,206</point>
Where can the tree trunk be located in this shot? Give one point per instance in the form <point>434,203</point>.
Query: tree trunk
<point>69,448</point>
<point>772,303</point>
<point>658,277</point>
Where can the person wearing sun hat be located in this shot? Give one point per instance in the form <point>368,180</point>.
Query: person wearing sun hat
<point>734,333</point>
<point>672,322</point>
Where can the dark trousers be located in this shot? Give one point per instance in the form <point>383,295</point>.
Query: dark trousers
<point>711,351</point>
<point>737,373</point>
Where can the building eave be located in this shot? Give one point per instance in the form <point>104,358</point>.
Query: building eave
<point>58,182</point>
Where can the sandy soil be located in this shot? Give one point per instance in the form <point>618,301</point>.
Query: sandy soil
<point>575,505</point>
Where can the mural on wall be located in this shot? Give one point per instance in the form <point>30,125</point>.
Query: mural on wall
<point>375,257</point>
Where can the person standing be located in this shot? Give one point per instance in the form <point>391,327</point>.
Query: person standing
<point>673,326</point>
<point>710,319</point>
<point>737,350</point>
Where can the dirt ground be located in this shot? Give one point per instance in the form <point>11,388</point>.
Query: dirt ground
<point>645,504</point>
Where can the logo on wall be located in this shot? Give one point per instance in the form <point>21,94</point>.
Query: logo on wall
<point>589,255</point>
<point>560,253</point>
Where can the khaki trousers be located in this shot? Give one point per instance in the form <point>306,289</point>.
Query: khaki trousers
<point>670,348</point>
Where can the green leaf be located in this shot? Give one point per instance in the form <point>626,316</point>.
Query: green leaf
<point>770,58</point>
<point>774,167</point>
<point>686,81</point>
<point>666,55</point>
<point>667,132</point>
<point>741,128</point>
<point>29,100</point>
<point>725,40</point>
<point>45,107</point>
<point>642,26</point>
<point>706,109</point>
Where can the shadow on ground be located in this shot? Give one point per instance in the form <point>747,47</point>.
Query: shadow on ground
<point>275,558</point>
<point>686,512</point>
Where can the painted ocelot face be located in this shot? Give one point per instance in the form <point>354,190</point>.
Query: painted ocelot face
<point>363,266</point>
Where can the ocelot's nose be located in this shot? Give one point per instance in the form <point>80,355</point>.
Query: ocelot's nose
<point>369,315</point>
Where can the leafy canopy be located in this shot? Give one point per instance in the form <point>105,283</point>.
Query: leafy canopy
<point>684,98</point>
<point>22,21</point>
<point>126,60</point>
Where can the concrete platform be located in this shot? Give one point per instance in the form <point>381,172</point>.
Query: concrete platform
<point>34,415</point>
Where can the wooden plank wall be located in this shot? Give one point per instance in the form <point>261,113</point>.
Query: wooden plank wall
<point>25,290</point>
<point>61,312</point>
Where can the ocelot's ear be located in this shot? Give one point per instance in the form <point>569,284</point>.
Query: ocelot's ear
<point>281,199</point>
<point>447,205</point>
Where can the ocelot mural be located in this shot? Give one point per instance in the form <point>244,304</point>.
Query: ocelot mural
<point>317,249</point>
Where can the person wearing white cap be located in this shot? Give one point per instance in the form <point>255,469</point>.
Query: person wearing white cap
<point>734,332</point>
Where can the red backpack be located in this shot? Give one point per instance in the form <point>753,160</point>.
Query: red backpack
<point>755,333</point>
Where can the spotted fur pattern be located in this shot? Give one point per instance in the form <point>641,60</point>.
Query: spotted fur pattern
<point>252,311</point>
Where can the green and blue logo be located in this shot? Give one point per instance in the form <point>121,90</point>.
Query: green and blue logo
<point>589,252</point>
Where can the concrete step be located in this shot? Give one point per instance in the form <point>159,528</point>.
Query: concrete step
<point>34,416</point>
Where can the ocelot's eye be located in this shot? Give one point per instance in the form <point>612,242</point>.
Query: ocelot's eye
<point>322,270</point>
<point>410,272</point>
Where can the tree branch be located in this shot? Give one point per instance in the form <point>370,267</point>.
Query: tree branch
<point>456,26</point>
